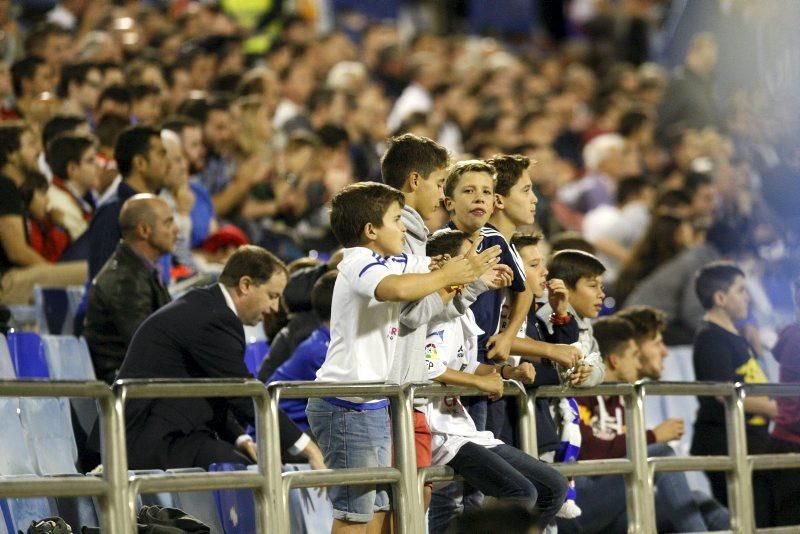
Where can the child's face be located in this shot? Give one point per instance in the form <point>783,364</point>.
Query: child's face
<point>88,169</point>
<point>429,193</point>
<point>587,296</point>
<point>627,363</point>
<point>472,202</point>
<point>38,205</point>
<point>520,203</point>
<point>736,300</point>
<point>535,269</point>
<point>388,240</point>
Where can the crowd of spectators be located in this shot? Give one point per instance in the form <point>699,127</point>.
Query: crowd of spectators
<point>246,124</point>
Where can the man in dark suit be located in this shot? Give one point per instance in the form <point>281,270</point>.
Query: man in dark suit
<point>200,335</point>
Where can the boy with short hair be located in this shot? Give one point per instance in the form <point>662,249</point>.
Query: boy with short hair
<point>73,160</point>
<point>488,464</point>
<point>649,324</point>
<point>722,354</point>
<point>603,428</point>
<point>372,284</point>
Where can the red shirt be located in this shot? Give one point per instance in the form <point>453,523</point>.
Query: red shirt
<point>603,428</point>
<point>47,239</point>
<point>787,352</point>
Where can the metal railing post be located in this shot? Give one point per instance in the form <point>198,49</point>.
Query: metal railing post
<point>641,508</point>
<point>740,491</point>
<point>265,495</point>
<point>526,407</point>
<point>114,453</point>
<point>408,504</point>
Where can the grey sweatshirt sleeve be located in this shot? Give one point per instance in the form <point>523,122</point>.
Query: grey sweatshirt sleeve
<point>458,306</point>
<point>420,312</point>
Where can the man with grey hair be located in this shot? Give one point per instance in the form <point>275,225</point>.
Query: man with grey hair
<point>604,158</point>
<point>130,286</point>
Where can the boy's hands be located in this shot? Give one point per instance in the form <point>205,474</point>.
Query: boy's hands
<point>558,296</point>
<point>669,430</point>
<point>565,355</point>
<point>523,372</point>
<point>482,261</point>
<point>498,277</point>
<point>463,270</point>
<point>499,346</point>
<point>580,375</point>
<point>491,383</point>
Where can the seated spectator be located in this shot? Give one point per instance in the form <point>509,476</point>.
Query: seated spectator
<point>56,126</point>
<point>21,266</point>
<point>602,423</point>
<point>44,232</point>
<point>145,104</point>
<point>603,157</point>
<point>179,196</point>
<point>200,335</point>
<point>722,354</point>
<point>107,130</point>
<point>309,355</point>
<point>114,100</point>
<point>129,287</point>
<point>73,161</point>
<point>786,433</point>
<point>665,238</point>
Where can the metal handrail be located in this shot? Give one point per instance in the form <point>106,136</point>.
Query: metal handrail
<point>111,487</point>
<point>264,492</point>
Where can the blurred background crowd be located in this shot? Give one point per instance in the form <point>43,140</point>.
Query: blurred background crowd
<point>663,131</point>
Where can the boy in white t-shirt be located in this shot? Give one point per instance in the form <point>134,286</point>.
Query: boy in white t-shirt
<point>489,465</point>
<point>372,284</point>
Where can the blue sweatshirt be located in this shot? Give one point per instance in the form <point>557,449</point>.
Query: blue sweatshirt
<point>303,364</point>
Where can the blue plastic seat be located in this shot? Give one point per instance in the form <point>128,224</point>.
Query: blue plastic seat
<point>254,354</point>
<point>6,367</point>
<point>309,512</point>
<point>27,355</point>
<point>236,508</point>
<point>199,504</point>
<point>56,308</point>
<point>67,358</point>
<point>47,425</point>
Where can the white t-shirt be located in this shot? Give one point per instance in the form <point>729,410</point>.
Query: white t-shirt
<point>453,345</point>
<point>364,330</point>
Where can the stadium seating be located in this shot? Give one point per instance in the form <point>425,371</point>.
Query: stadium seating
<point>27,355</point>
<point>56,308</point>
<point>6,367</point>
<point>254,355</point>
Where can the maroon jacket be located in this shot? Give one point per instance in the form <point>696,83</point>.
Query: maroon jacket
<point>603,428</point>
<point>787,352</point>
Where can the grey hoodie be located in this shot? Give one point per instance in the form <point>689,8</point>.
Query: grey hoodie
<point>589,346</point>
<point>409,361</point>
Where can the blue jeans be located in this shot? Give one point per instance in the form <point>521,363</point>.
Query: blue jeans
<point>504,472</point>
<point>678,509</point>
<point>353,438</point>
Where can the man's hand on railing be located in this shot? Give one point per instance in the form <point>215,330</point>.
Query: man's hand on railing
<point>669,430</point>
<point>248,448</point>
<point>565,355</point>
<point>524,372</point>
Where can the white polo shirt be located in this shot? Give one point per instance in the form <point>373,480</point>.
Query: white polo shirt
<point>363,330</point>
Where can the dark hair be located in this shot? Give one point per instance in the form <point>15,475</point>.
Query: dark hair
<point>10,140</point>
<point>570,240</point>
<point>716,276</point>
<point>66,149</point>
<point>60,124</point>
<point>322,295</point>
<point>509,171</point>
<point>24,69</point>
<point>631,121</point>
<point>200,108</point>
<point>572,265</point>
<point>178,123</point>
<point>333,137</point>
<point>612,333</point>
<point>133,141</point>
<point>520,241</point>
<point>250,260</point>
<point>409,153</point>
<point>140,91</point>
<point>115,93</point>
<point>445,242</point>
<point>671,199</point>
<point>647,321</point>
<point>655,248</point>
<point>109,127</point>
<point>459,169</point>
<point>77,73</point>
<point>514,518</point>
<point>358,204</point>
<point>34,181</point>
<point>696,180</point>
<point>40,32</point>
<point>630,187</point>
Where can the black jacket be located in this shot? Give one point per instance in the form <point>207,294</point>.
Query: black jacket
<point>124,293</point>
<point>196,336</point>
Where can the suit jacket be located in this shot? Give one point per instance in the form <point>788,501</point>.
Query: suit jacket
<point>196,336</point>
<point>122,296</point>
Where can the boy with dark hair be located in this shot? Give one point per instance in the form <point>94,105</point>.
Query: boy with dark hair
<point>722,354</point>
<point>649,324</point>
<point>489,465</point>
<point>603,429</point>
<point>44,233</point>
<point>73,160</point>
<point>309,355</point>
<point>582,274</point>
<point>373,281</point>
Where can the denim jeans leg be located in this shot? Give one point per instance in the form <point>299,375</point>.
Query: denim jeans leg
<point>602,503</point>
<point>550,484</point>
<point>446,504</point>
<point>676,508</point>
